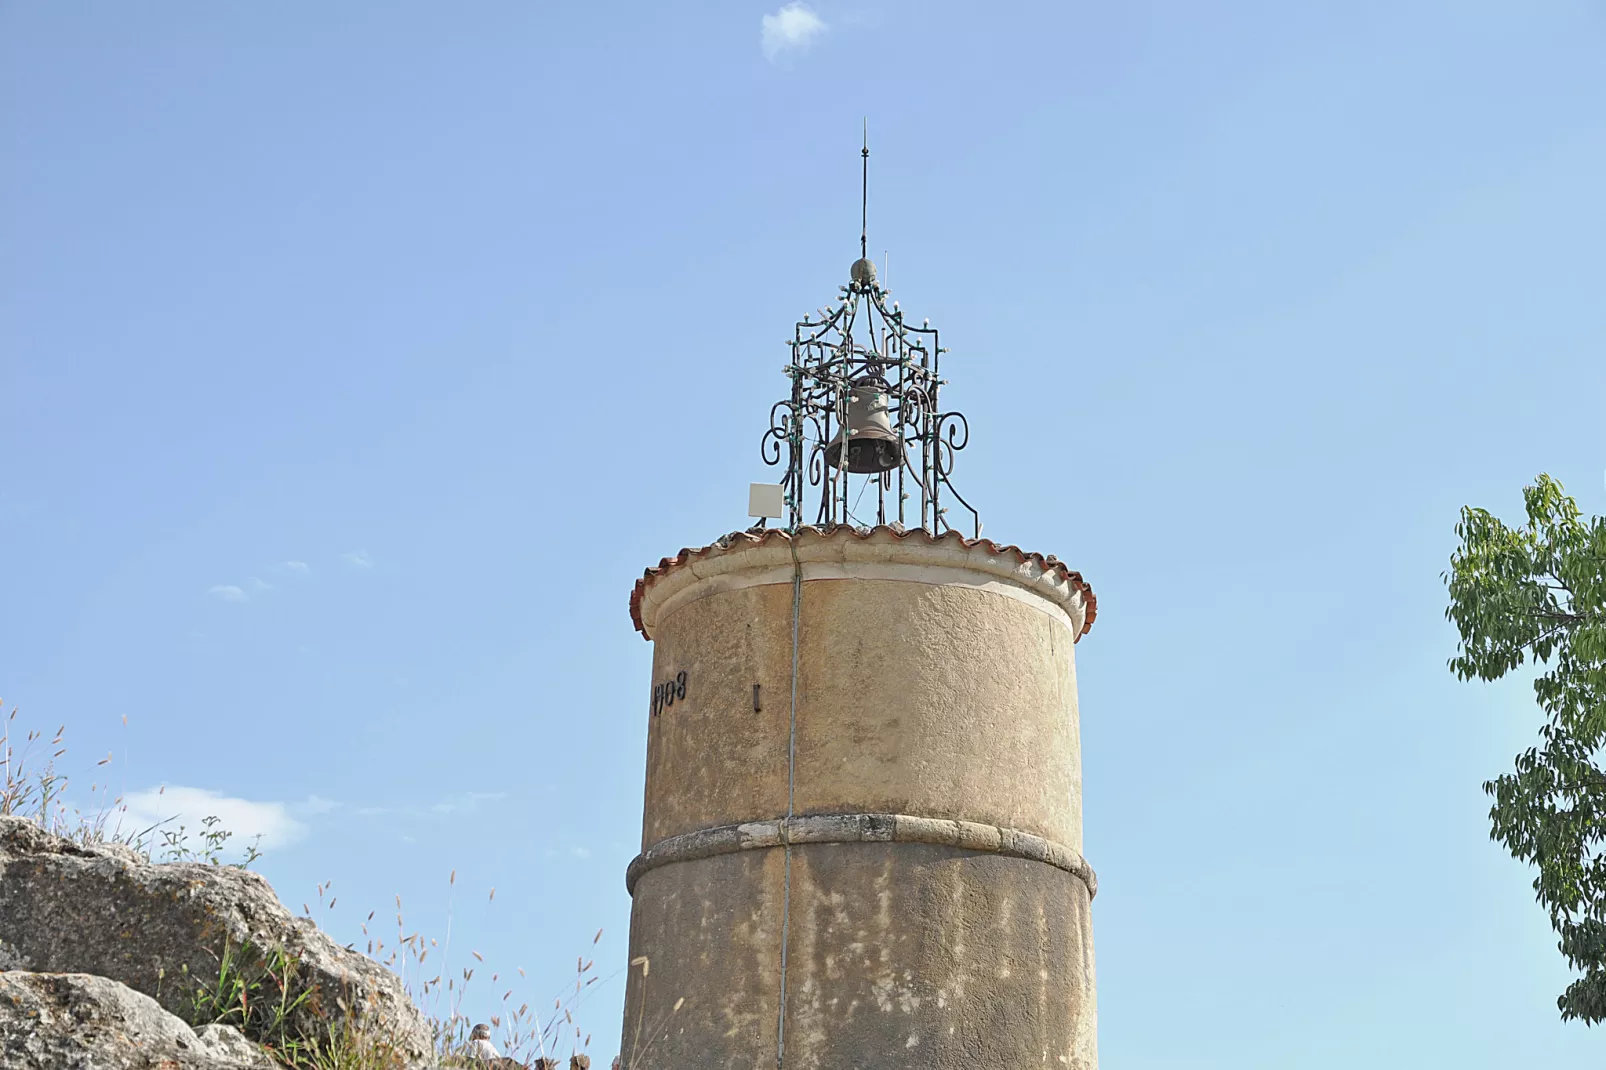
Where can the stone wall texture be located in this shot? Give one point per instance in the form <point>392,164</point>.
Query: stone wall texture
<point>930,882</point>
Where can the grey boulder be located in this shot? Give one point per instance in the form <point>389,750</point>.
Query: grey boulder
<point>75,1021</point>
<point>228,1045</point>
<point>157,927</point>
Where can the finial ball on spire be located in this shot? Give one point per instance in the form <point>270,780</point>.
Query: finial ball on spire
<point>863,272</point>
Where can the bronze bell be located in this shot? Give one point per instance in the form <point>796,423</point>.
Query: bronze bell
<point>873,446</point>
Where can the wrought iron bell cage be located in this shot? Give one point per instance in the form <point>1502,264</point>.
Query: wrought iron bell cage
<point>863,436</point>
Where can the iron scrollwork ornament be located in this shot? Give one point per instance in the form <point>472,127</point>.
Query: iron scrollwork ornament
<point>862,436</point>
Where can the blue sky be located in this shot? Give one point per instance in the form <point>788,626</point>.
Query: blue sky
<point>356,358</point>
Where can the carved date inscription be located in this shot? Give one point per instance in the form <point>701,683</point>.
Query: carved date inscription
<point>669,692</point>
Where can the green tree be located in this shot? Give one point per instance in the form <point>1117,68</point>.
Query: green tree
<point>1539,591</point>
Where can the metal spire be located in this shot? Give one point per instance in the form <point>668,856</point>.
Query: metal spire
<point>864,199</point>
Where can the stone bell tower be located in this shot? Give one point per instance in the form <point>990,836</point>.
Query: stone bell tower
<point>862,833</point>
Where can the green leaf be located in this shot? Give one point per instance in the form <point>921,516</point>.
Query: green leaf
<point>1538,592</point>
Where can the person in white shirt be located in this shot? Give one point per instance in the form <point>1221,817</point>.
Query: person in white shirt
<point>480,1046</point>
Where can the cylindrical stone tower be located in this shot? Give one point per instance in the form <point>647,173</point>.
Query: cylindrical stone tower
<point>861,845</point>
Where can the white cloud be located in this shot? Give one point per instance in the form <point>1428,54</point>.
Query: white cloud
<point>315,804</point>
<point>580,852</point>
<point>793,28</point>
<point>359,558</point>
<point>242,592</point>
<point>466,803</point>
<point>178,805</point>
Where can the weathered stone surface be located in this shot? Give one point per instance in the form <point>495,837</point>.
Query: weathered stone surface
<point>906,718</point>
<point>75,1021</point>
<point>228,1044</point>
<point>859,828</point>
<point>901,956</point>
<point>933,699</point>
<point>153,927</point>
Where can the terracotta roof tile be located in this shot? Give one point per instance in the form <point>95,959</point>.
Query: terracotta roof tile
<point>758,536</point>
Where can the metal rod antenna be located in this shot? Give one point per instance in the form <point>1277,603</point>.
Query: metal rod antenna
<point>864,194</point>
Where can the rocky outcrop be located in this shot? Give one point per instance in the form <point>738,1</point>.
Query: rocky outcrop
<point>228,1045</point>
<point>162,928</point>
<point>75,1021</point>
